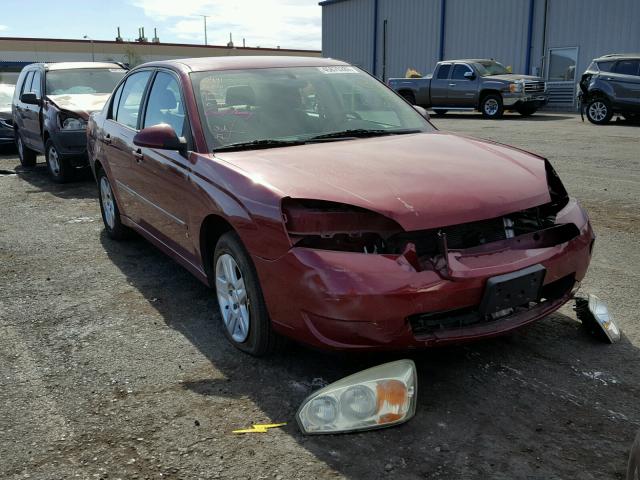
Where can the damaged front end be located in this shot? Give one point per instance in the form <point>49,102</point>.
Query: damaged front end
<point>365,282</point>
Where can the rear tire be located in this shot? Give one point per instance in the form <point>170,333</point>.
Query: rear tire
<point>27,156</point>
<point>599,111</point>
<point>244,315</point>
<point>408,96</point>
<point>109,209</point>
<point>491,106</point>
<point>58,165</point>
<point>440,112</point>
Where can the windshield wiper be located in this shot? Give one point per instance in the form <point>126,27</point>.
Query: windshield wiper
<point>360,133</point>
<point>255,144</point>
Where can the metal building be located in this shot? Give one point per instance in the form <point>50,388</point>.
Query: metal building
<point>556,39</point>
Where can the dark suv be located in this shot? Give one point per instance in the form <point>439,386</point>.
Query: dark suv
<point>50,108</point>
<point>611,85</point>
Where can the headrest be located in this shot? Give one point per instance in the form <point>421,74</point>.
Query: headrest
<point>240,95</point>
<point>167,100</point>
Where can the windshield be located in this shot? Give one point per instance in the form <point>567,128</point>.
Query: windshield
<point>486,69</point>
<point>85,80</point>
<point>276,105</point>
<point>6,94</point>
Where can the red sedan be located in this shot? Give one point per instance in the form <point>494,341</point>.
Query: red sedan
<point>323,207</point>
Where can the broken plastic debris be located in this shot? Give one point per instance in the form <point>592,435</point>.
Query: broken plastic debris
<point>260,428</point>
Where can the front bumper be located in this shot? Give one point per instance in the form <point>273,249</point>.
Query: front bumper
<point>73,145</point>
<point>354,301</point>
<point>537,99</point>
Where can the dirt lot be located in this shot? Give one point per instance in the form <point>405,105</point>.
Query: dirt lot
<point>113,363</point>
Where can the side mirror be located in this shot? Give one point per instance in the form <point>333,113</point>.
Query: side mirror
<point>469,75</point>
<point>422,112</point>
<point>30,98</point>
<point>161,136</point>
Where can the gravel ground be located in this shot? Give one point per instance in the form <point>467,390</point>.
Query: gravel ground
<point>113,363</point>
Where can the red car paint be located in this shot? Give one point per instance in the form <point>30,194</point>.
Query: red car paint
<point>337,299</point>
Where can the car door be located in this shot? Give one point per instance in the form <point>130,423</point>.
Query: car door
<point>440,85</point>
<point>119,128</point>
<point>161,177</point>
<point>463,86</point>
<point>625,80</point>
<point>21,113</point>
<point>32,115</point>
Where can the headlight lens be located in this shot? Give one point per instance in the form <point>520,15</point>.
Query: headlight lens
<point>379,397</point>
<point>72,123</point>
<point>516,87</point>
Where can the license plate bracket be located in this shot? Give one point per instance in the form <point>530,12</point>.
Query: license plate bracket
<point>512,290</point>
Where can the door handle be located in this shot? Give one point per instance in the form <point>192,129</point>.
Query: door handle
<point>609,78</point>
<point>452,84</point>
<point>138,155</point>
<point>107,139</point>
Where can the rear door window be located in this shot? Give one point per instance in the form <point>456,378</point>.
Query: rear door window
<point>443,71</point>
<point>130,99</point>
<point>605,66</point>
<point>627,67</point>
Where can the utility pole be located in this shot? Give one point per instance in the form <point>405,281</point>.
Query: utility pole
<point>204,17</point>
<point>93,53</point>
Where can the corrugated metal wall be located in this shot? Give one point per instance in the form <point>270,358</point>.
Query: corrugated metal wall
<point>488,29</point>
<point>597,27</point>
<point>347,32</point>
<point>412,36</point>
<point>477,28</point>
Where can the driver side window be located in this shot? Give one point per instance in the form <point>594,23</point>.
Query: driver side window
<point>130,98</point>
<point>165,104</point>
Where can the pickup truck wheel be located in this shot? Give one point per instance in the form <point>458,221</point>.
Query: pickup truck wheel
<point>26,155</point>
<point>599,111</point>
<point>439,112</point>
<point>408,96</point>
<point>526,110</point>
<point>244,315</point>
<point>57,164</point>
<point>109,209</point>
<point>491,106</point>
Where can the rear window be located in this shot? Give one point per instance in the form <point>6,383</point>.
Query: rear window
<point>83,80</point>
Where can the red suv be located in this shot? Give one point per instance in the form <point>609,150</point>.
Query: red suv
<point>321,206</point>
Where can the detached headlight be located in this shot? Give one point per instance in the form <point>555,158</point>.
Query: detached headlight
<point>516,87</point>
<point>72,123</point>
<point>379,397</point>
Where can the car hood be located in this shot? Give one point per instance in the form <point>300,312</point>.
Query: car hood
<point>513,77</point>
<point>425,180</point>
<point>81,103</point>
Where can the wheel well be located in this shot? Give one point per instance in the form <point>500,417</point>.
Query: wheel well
<point>213,227</point>
<point>484,93</point>
<point>405,91</point>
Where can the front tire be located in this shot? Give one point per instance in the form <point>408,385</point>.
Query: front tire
<point>58,165</point>
<point>244,315</point>
<point>109,209</point>
<point>491,106</point>
<point>27,156</point>
<point>599,111</point>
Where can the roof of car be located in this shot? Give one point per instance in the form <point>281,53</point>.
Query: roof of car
<point>245,62</point>
<point>72,65</point>
<point>469,60</point>
<point>615,56</point>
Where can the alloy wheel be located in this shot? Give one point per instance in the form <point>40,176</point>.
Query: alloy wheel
<point>54,161</point>
<point>491,107</point>
<point>108,205</point>
<point>598,111</point>
<point>232,298</point>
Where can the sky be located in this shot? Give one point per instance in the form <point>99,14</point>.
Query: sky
<point>264,23</point>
